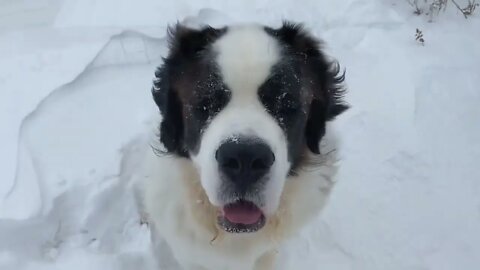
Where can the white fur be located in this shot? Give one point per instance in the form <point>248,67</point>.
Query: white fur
<point>245,56</point>
<point>181,195</point>
<point>181,213</point>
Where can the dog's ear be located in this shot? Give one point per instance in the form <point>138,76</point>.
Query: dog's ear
<point>327,102</point>
<point>321,75</point>
<point>167,100</point>
<point>186,45</point>
<point>189,42</point>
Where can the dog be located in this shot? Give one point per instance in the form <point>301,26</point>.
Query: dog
<point>247,152</point>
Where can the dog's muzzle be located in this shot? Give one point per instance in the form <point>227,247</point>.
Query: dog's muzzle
<point>243,165</point>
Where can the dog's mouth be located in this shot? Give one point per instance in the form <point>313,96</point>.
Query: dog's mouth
<point>241,217</point>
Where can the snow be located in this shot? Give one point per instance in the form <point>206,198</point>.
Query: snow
<point>76,113</point>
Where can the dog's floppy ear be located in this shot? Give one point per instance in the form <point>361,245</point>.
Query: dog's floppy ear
<point>186,44</point>
<point>322,76</point>
<point>167,100</point>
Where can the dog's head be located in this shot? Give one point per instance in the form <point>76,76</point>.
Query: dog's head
<point>246,104</point>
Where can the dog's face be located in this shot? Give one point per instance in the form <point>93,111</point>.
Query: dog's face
<point>246,104</point>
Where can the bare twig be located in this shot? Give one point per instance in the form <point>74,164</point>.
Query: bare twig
<point>419,37</point>
<point>459,8</point>
<point>435,6</point>
<point>472,5</point>
<point>414,4</point>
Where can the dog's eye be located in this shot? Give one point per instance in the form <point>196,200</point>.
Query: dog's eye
<point>283,104</point>
<point>209,105</point>
<point>287,104</point>
<point>204,106</point>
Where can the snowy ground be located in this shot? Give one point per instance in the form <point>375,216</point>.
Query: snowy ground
<point>75,112</point>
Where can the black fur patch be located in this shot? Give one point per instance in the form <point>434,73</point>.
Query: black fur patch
<point>284,99</point>
<point>312,84</point>
<point>188,88</point>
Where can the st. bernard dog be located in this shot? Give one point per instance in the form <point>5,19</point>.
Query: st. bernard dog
<point>247,154</point>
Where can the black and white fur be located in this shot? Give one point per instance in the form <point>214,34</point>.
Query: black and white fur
<point>265,89</point>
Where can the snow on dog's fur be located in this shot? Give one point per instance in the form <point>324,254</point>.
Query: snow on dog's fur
<point>248,155</point>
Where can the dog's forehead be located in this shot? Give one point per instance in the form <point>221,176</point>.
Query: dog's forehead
<point>245,56</point>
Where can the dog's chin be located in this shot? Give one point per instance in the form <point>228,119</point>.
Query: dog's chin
<point>241,216</point>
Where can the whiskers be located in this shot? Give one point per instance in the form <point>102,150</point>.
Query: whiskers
<point>316,163</point>
<point>157,147</point>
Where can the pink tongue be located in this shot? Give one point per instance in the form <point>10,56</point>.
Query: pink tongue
<point>242,212</point>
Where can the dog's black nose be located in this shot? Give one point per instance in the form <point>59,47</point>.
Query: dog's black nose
<point>244,162</point>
